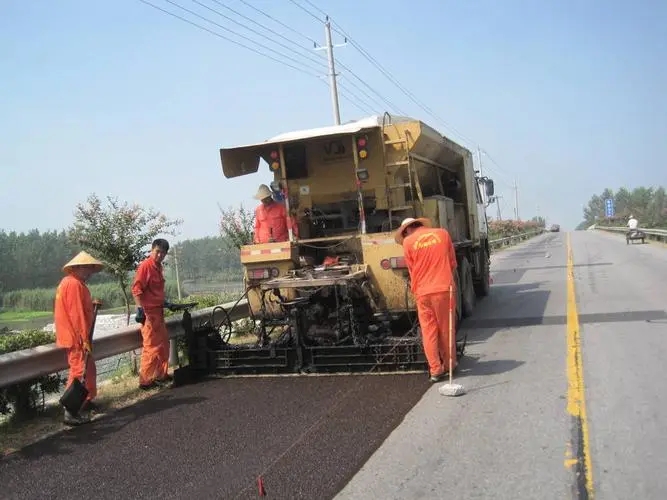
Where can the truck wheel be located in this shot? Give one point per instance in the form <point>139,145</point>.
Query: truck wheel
<point>468,297</point>
<point>458,314</point>
<point>482,287</point>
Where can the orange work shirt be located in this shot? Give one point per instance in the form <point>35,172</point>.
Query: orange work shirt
<point>431,259</point>
<point>271,223</point>
<point>72,312</point>
<point>148,284</point>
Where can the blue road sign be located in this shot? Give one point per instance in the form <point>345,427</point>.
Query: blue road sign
<point>609,207</point>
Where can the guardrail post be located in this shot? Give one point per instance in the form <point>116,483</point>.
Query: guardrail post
<point>173,353</point>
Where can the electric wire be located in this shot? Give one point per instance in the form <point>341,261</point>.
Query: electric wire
<point>248,4</point>
<point>310,56</point>
<point>226,38</point>
<point>340,64</point>
<point>348,96</point>
<point>236,33</point>
<point>339,29</point>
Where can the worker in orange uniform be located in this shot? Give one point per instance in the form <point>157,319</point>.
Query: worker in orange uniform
<point>149,297</point>
<point>271,219</point>
<point>431,261</point>
<point>73,319</point>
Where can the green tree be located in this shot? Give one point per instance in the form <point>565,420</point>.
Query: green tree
<point>647,204</point>
<point>237,226</point>
<point>118,234</point>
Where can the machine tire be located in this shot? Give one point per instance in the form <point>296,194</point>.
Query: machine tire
<point>458,317</point>
<point>483,287</point>
<point>468,297</point>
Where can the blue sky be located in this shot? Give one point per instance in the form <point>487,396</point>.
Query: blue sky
<point>118,98</point>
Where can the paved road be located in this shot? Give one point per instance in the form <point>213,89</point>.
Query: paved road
<point>513,436</point>
<point>520,431</point>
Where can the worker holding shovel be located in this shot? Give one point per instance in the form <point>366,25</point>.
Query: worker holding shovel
<point>74,317</point>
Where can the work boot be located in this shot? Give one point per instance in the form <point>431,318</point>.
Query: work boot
<point>77,419</point>
<point>168,379</point>
<point>437,378</point>
<point>149,386</point>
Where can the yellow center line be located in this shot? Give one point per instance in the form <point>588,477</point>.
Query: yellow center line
<point>576,403</point>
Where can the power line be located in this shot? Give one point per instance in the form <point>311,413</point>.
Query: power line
<point>227,38</point>
<point>349,98</point>
<point>309,56</point>
<point>279,22</point>
<point>340,64</point>
<point>388,75</point>
<point>305,10</point>
<point>238,34</point>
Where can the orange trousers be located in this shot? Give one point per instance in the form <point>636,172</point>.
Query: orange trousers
<point>155,349</point>
<point>75,360</point>
<point>433,314</point>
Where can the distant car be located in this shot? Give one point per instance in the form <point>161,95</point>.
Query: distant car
<point>554,228</point>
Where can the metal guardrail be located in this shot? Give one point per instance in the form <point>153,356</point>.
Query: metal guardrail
<point>28,364</point>
<point>651,234</point>
<point>510,239</point>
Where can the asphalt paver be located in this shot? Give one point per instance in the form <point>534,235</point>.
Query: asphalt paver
<point>304,436</point>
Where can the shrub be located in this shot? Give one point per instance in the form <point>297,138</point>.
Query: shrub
<point>24,398</point>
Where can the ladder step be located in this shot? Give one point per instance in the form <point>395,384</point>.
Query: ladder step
<point>401,185</point>
<point>398,163</point>
<point>401,208</point>
<point>396,141</point>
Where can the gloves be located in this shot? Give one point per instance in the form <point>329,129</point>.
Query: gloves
<point>140,317</point>
<point>86,346</point>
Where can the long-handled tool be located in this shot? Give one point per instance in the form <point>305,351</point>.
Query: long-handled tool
<point>450,388</point>
<point>76,394</point>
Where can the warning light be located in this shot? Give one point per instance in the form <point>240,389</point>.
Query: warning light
<point>275,162</point>
<point>362,147</point>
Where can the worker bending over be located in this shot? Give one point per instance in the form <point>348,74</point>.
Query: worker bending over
<point>271,219</point>
<point>73,320</point>
<point>431,261</point>
<point>149,297</point>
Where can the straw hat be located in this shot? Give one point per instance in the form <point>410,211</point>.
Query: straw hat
<point>83,259</point>
<point>398,235</point>
<point>263,192</point>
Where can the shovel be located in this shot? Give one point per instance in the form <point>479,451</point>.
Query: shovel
<point>76,393</point>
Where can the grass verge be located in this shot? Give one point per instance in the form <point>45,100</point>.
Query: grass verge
<point>15,316</point>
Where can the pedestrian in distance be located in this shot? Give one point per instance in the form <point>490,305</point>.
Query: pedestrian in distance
<point>431,261</point>
<point>73,317</point>
<point>149,297</point>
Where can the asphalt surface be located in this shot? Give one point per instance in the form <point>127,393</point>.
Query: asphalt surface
<point>304,436</point>
<point>394,436</point>
<point>509,436</point>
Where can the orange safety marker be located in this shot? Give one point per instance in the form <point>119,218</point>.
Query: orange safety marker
<point>260,487</point>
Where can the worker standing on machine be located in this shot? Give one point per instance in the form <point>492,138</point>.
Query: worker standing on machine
<point>73,314</point>
<point>431,261</point>
<point>271,218</point>
<point>149,296</point>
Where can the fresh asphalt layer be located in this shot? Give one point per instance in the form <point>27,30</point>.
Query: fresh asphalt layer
<point>567,317</point>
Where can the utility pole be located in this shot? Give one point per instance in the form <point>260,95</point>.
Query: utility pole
<point>332,69</point>
<point>516,200</point>
<point>498,197</point>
